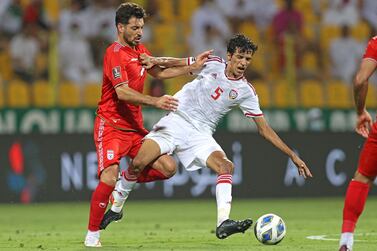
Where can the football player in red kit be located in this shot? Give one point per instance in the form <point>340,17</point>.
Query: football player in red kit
<point>358,188</point>
<point>118,127</point>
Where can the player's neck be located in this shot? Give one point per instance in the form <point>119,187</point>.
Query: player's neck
<point>122,42</point>
<point>231,74</point>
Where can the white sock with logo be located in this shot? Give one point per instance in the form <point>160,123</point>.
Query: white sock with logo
<point>123,188</point>
<point>223,197</point>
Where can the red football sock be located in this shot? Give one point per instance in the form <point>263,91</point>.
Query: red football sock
<point>150,174</point>
<point>98,204</point>
<point>356,197</point>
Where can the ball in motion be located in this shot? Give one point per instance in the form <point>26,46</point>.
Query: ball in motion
<point>270,229</point>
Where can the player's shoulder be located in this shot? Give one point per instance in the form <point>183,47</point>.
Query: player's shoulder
<point>114,49</point>
<point>373,43</point>
<point>215,59</point>
<point>250,89</point>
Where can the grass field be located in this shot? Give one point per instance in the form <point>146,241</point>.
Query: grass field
<point>181,225</point>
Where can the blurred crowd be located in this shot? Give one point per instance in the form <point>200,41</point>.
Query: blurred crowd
<point>304,45</point>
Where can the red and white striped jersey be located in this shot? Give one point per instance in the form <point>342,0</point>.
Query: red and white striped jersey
<point>206,99</point>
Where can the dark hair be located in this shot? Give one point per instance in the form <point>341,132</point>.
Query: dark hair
<point>127,10</point>
<point>243,44</point>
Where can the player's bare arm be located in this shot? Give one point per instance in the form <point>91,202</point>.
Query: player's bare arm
<point>269,134</point>
<point>166,62</point>
<point>360,90</point>
<point>129,95</point>
<point>165,73</point>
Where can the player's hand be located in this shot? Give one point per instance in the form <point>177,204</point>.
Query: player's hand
<point>363,123</point>
<point>303,170</point>
<point>146,61</point>
<point>167,102</point>
<point>200,60</point>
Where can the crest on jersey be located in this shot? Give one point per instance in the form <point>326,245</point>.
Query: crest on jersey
<point>214,75</point>
<point>110,154</point>
<point>116,72</point>
<point>233,94</point>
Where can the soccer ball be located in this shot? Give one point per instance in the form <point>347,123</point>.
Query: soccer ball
<point>270,229</point>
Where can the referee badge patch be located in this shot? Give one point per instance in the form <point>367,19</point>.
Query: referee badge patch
<point>116,72</point>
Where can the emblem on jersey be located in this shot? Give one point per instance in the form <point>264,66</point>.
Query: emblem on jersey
<point>110,154</point>
<point>116,72</point>
<point>214,75</point>
<point>233,94</point>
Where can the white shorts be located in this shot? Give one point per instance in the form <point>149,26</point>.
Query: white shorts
<point>175,135</point>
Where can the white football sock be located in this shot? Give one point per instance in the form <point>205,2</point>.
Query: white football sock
<point>122,189</point>
<point>346,239</point>
<point>223,197</point>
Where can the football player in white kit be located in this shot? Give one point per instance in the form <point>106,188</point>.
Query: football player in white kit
<point>219,87</point>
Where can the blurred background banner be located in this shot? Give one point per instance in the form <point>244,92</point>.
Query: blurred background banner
<point>63,167</point>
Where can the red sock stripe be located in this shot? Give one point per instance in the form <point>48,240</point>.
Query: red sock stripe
<point>224,178</point>
<point>130,177</point>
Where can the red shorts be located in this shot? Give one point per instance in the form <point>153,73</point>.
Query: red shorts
<point>368,156</point>
<point>112,144</point>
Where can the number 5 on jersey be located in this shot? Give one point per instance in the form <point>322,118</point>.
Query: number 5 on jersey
<point>217,93</point>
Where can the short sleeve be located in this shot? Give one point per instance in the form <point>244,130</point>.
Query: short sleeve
<point>371,50</point>
<point>117,69</point>
<point>250,105</point>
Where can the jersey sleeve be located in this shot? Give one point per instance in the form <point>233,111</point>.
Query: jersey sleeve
<point>250,105</point>
<point>371,50</point>
<point>116,69</point>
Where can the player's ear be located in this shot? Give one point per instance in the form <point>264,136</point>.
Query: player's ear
<point>228,56</point>
<point>120,27</point>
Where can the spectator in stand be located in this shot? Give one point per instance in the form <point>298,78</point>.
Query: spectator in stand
<point>24,48</point>
<point>35,13</point>
<point>76,60</point>
<point>288,22</point>
<point>74,14</point>
<point>212,40</point>
<point>10,16</point>
<point>369,12</point>
<point>341,12</point>
<point>345,53</point>
<point>208,14</point>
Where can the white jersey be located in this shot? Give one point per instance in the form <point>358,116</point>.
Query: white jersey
<point>206,99</point>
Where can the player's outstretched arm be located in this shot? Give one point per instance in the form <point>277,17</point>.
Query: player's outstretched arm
<point>166,62</point>
<point>269,134</point>
<point>165,73</point>
<point>129,95</point>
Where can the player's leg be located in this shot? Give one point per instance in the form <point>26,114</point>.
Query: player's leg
<point>149,152</point>
<point>108,168</point>
<point>161,169</point>
<point>219,163</point>
<point>357,191</point>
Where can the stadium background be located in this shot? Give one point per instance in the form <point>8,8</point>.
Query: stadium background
<point>48,100</point>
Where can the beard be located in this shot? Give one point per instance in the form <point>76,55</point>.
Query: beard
<point>130,42</point>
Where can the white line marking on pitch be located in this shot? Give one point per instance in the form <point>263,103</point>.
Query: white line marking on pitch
<point>326,237</point>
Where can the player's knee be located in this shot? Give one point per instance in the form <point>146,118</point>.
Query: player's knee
<point>363,179</point>
<point>109,175</point>
<point>226,167</point>
<point>138,165</point>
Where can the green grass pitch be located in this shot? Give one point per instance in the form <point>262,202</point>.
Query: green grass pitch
<point>182,225</point>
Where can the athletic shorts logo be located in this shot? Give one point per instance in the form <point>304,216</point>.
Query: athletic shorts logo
<point>233,94</point>
<point>110,154</point>
<point>102,205</point>
<point>116,72</point>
